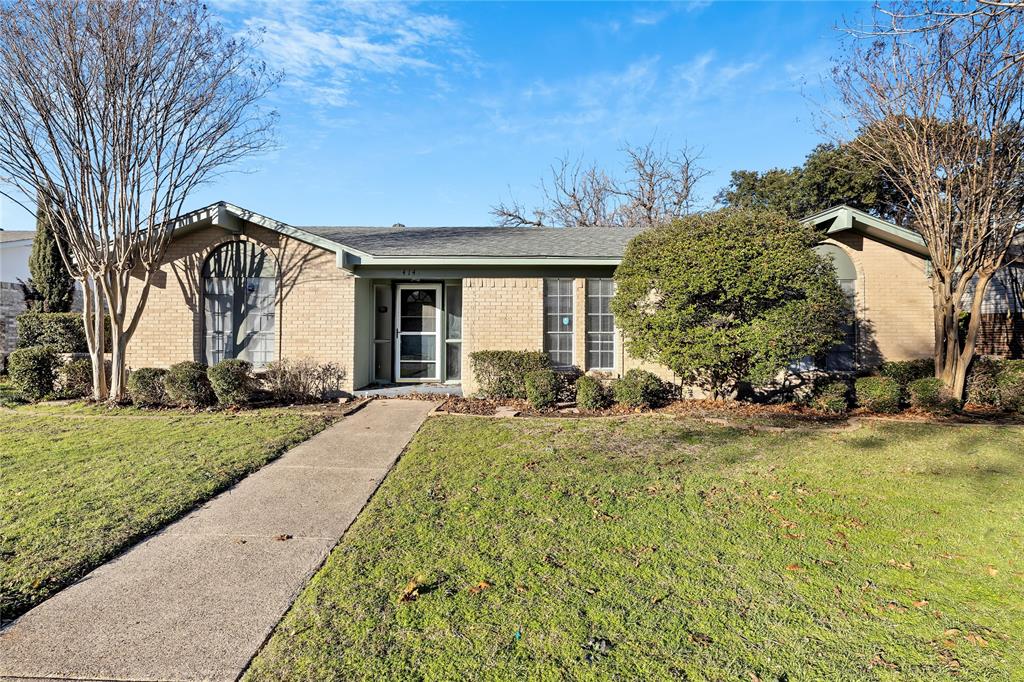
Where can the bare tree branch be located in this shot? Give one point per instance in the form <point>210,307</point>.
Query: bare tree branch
<point>115,112</point>
<point>657,187</point>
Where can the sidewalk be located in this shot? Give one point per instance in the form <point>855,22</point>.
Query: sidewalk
<point>198,599</point>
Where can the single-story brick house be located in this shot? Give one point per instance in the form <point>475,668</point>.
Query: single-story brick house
<point>409,305</point>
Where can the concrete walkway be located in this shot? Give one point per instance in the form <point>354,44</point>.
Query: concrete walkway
<point>197,600</point>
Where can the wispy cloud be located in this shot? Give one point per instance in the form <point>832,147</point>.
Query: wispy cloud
<point>325,48</point>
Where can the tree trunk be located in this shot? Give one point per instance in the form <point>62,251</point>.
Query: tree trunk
<point>95,336</point>
<point>970,341</point>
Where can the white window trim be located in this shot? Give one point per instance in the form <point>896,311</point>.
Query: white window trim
<point>586,331</point>
<point>575,320</point>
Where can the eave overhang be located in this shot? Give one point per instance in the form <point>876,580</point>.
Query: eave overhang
<point>842,218</point>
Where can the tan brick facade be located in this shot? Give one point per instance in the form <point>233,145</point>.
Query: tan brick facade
<point>500,313</point>
<point>894,300</point>
<point>315,315</point>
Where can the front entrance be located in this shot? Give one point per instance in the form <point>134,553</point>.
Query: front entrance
<point>417,332</point>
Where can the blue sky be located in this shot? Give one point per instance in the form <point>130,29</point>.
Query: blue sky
<point>429,114</point>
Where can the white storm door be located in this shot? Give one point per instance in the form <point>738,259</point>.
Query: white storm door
<point>417,332</point>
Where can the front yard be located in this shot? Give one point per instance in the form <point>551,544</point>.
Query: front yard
<point>658,548</point>
<point>80,484</point>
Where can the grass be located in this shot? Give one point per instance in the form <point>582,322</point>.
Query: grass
<point>655,548</point>
<point>80,484</point>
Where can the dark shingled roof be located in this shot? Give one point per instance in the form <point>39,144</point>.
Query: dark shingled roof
<point>16,235</point>
<point>493,242</point>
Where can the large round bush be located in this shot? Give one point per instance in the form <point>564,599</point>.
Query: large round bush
<point>728,298</point>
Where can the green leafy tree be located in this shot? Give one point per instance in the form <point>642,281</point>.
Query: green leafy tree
<point>831,175</point>
<point>53,286</point>
<point>728,299</point>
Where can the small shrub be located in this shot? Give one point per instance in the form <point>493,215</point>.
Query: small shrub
<point>501,373</point>
<point>566,388</point>
<point>590,393</point>
<point>639,389</point>
<point>303,380</point>
<point>74,380</point>
<point>983,381</point>
<point>878,394</point>
<point>146,386</point>
<point>187,385</point>
<point>904,372</point>
<point>33,371</point>
<point>542,388</point>
<point>831,397</point>
<point>1011,385</point>
<point>930,395</point>
<point>232,382</point>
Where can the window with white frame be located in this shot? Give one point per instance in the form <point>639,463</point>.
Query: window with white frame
<point>600,324</point>
<point>558,320</point>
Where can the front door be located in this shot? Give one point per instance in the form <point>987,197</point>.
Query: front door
<point>417,332</point>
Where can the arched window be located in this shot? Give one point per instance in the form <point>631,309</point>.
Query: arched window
<point>239,293</point>
<point>843,357</point>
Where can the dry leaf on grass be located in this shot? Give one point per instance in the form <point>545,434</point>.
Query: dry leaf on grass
<point>479,587</point>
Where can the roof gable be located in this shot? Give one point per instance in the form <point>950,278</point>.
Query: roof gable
<point>841,218</point>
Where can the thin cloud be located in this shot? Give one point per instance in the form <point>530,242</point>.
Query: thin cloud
<point>326,48</point>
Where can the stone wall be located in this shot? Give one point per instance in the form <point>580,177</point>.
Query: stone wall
<point>12,304</point>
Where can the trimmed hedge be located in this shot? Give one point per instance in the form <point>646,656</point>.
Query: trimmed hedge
<point>74,380</point>
<point>502,373</point>
<point>64,331</point>
<point>542,388</point>
<point>232,382</point>
<point>187,385</point>
<point>878,394</point>
<point>995,382</point>
<point>907,371</point>
<point>930,395</point>
<point>33,371</point>
<point>832,398</point>
<point>1011,385</point>
<point>146,386</point>
<point>591,393</point>
<point>639,388</point>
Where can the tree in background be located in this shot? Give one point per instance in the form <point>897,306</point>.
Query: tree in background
<point>728,298</point>
<point>940,109</point>
<point>831,175</point>
<point>51,283</point>
<point>114,112</point>
<point>658,186</point>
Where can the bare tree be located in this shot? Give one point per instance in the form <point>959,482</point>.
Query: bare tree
<point>943,118</point>
<point>657,188</point>
<point>115,112</point>
<point>970,18</point>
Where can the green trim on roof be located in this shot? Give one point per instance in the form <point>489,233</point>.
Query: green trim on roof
<point>840,218</point>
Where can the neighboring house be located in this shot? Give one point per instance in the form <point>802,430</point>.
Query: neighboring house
<point>15,248</point>
<point>409,305</point>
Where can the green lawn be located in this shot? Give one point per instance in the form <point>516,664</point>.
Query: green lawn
<point>652,548</point>
<point>78,485</point>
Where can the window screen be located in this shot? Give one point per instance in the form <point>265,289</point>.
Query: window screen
<point>558,320</point>
<point>600,324</point>
<point>240,291</point>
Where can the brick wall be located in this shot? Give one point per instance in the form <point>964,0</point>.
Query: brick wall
<point>894,300</point>
<point>315,312</point>
<point>500,313</point>
<point>12,304</point>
